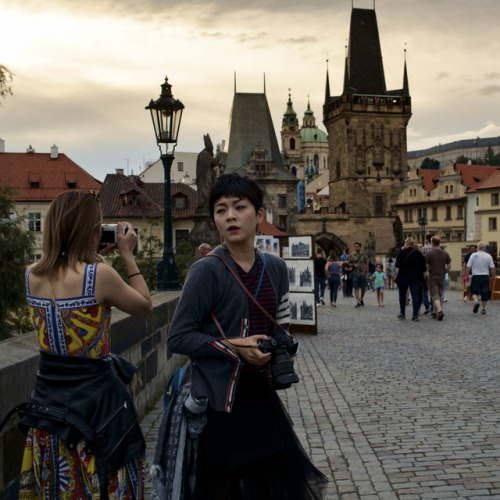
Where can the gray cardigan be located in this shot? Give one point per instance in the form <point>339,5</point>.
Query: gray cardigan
<point>210,287</point>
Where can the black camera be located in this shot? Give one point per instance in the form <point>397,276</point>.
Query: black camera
<point>109,235</point>
<point>281,347</point>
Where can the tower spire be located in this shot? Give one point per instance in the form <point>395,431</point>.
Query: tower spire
<point>327,87</point>
<point>406,86</point>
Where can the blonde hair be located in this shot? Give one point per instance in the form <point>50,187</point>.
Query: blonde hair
<point>410,242</point>
<point>69,232</point>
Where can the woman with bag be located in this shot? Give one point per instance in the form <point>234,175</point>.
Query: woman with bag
<point>82,447</point>
<point>248,448</point>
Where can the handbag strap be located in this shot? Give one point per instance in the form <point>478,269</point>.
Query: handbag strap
<point>256,302</point>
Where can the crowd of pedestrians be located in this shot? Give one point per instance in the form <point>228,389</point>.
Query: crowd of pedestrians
<point>420,273</point>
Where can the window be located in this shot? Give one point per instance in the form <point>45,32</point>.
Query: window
<point>71,185</point>
<point>477,201</point>
<point>180,166</point>
<point>180,202</point>
<point>283,221</point>
<point>494,199</point>
<point>181,241</point>
<point>492,223</point>
<point>292,143</point>
<point>379,204</point>
<point>409,215</point>
<point>434,213</point>
<point>446,190</point>
<point>35,221</point>
<point>451,188</point>
<point>282,201</point>
<point>448,213</point>
<point>460,212</point>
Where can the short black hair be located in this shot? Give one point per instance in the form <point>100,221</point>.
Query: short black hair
<point>240,187</point>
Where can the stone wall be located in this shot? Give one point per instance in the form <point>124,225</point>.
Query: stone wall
<point>142,341</point>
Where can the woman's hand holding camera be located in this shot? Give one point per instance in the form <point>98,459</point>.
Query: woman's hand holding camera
<point>248,349</point>
<point>127,238</point>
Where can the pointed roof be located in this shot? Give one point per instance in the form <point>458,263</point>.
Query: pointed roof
<point>365,66</point>
<point>472,175</point>
<point>327,87</point>
<point>267,229</point>
<point>406,86</point>
<point>250,124</point>
<point>290,116</point>
<point>52,175</point>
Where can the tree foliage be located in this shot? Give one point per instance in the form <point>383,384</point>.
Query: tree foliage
<point>6,77</point>
<point>16,246</point>
<point>430,164</point>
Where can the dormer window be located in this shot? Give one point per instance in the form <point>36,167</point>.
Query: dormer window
<point>34,185</point>
<point>34,180</point>
<point>180,202</point>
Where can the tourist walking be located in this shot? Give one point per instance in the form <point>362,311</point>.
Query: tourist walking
<point>410,265</point>
<point>379,277</point>
<point>359,262</point>
<point>481,266</point>
<point>319,267</point>
<point>438,263</point>
<point>332,268</point>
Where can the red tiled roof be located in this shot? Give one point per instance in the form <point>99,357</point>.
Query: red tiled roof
<point>267,229</point>
<point>490,182</point>
<point>148,198</point>
<point>473,174</point>
<point>19,170</point>
<point>429,178</point>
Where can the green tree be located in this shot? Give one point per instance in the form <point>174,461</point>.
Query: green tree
<point>430,164</point>
<point>16,246</point>
<point>462,160</point>
<point>488,157</point>
<point>6,77</point>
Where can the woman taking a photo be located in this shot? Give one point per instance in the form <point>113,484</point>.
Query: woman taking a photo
<point>70,294</point>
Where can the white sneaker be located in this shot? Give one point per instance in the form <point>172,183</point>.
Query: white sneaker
<point>322,301</point>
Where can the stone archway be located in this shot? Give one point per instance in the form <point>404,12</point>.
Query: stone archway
<point>329,241</point>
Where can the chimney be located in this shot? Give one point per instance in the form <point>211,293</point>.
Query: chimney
<point>54,152</point>
<point>119,171</point>
<point>2,146</point>
<point>30,149</point>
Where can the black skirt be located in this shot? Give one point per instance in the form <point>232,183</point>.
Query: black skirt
<point>253,452</point>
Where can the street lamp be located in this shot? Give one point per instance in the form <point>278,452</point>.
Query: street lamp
<point>166,113</point>
<point>423,225</point>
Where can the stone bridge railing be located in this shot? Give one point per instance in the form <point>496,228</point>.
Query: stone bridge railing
<point>143,341</point>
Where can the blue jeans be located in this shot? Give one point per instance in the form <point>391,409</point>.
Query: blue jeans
<point>334,283</point>
<point>414,287</point>
<point>320,289</point>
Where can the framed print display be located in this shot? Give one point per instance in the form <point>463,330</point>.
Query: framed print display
<point>302,308</point>
<point>300,247</point>
<point>300,275</point>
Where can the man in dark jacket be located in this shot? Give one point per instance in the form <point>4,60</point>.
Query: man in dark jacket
<point>410,264</point>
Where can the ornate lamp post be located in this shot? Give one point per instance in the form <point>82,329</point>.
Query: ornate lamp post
<point>166,113</point>
<point>423,225</point>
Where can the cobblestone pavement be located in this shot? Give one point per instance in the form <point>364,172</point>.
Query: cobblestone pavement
<point>392,409</point>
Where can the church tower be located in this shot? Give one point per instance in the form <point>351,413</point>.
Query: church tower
<point>290,139</point>
<point>366,127</point>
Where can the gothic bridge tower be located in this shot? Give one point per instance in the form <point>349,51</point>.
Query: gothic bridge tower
<point>366,131</point>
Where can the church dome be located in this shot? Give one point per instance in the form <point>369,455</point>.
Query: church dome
<point>309,132</point>
<point>313,134</point>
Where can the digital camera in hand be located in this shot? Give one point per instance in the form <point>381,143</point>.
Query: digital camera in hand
<point>281,347</point>
<point>109,235</point>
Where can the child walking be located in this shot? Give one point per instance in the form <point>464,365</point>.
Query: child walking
<point>379,277</point>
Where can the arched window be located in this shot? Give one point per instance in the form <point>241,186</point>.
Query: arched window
<point>316,160</point>
<point>292,143</point>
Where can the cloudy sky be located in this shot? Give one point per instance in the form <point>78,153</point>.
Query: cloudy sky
<point>84,71</point>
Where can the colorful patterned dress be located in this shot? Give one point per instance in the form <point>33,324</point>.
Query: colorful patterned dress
<point>50,470</point>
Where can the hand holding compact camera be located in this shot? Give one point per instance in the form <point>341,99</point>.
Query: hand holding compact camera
<point>109,235</point>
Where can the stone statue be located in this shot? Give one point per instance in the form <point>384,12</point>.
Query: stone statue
<point>206,175</point>
<point>397,228</point>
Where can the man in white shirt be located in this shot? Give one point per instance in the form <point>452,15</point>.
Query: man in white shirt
<point>481,265</point>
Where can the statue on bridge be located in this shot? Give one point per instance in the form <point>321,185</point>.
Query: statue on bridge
<point>206,172</point>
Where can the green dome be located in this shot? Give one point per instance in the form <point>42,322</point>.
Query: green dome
<point>312,134</point>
